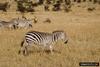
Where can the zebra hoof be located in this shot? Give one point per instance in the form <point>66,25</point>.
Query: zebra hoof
<point>25,53</point>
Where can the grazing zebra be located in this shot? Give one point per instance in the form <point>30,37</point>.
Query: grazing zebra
<point>5,24</point>
<point>46,40</point>
<point>22,23</point>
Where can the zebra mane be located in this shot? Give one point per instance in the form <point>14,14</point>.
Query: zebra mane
<point>57,31</point>
<point>38,32</point>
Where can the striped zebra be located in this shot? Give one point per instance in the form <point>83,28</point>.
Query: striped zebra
<point>46,40</point>
<point>5,24</point>
<point>22,23</point>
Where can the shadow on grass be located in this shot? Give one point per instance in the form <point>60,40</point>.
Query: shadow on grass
<point>40,52</point>
<point>45,51</point>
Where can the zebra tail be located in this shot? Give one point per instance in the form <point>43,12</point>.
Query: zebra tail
<point>21,47</point>
<point>22,43</point>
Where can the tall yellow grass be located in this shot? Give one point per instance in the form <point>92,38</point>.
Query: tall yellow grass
<point>82,28</point>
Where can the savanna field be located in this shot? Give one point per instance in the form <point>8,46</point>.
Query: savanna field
<point>82,28</point>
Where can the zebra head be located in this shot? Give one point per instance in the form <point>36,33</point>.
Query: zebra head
<point>29,23</point>
<point>60,35</point>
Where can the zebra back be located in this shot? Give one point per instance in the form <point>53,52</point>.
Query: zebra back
<point>37,37</point>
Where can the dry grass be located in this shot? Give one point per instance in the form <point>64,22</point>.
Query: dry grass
<point>83,29</point>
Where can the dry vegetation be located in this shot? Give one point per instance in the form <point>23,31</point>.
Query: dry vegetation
<point>82,27</point>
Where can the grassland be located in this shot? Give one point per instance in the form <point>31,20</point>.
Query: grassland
<point>81,26</point>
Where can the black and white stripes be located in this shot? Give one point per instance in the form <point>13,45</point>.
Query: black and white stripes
<point>42,39</point>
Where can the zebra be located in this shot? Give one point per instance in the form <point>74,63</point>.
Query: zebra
<point>44,39</point>
<point>22,23</point>
<point>5,24</point>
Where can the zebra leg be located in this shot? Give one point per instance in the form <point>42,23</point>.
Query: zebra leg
<point>24,48</point>
<point>51,49</point>
<point>25,51</point>
<point>43,48</point>
<point>20,51</point>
